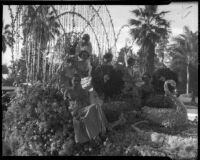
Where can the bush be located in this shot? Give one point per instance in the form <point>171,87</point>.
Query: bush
<point>37,122</point>
<point>167,74</point>
<point>160,101</point>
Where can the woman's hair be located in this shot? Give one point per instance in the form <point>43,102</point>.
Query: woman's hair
<point>108,57</point>
<point>131,61</point>
<point>86,37</point>
<point>146,75</point>
<point>113,86</point>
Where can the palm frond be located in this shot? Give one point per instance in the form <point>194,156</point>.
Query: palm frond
<point>179,40</point>
<point>186,30</point>
<point>163,13</point>
<point>134,22</point>
<point>137,33</point>
<point>161,31</point>
<point>162,22</point>
<point>7,27</point>
<point>137,12</point>
<point>150,9</point>
<point>154,36</point>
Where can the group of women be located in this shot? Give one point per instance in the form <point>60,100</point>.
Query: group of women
<point>85,104</point>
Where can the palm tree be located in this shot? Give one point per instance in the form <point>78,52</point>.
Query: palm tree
<point>7,38</point>
<point>161,49</point>
<point>40,23</point>
<point>185,54</point>
<point>147,29</point>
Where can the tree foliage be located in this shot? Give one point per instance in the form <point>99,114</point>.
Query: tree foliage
<point>4,69</point>
<point>148,28</point>
<point>7,38</point>
<point>184,53</point>
<point>40,26</point>
<point>37,121</point>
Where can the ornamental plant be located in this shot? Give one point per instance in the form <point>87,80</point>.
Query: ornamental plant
<point>38,122</point>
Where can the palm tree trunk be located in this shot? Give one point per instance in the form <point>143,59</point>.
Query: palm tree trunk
<point>38,65</point>
<point>188,78</point>
<point>31,63</point>
<point>27,59</point>
<point>143,60</point>
<point>29,68</point>
<point>12,51</point>
<point>34,61</point>
<point>150,58</point>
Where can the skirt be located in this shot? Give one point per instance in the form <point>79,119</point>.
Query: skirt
<point>90,125</point>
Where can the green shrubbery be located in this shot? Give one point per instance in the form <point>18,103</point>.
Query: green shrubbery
<point>38,122</point>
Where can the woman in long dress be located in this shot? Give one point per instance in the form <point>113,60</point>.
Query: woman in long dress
<point>86,46</point>
<point>88,119</point>
<point>82,67</point>
<point>66,72</point>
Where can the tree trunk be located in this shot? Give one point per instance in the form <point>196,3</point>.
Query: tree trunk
<point>162,60</point>
<point>188,78</point>
<point>12,48</point>
<point>38,65</point>
<point>31,62</point>
<point>26,60</point>
<point>143,59</point>
<point>193,98</point>
<point>150,58</point>
<point>35,61</point>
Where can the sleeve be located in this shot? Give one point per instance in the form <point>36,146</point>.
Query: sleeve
<point>90,48</point>
<point>85,97</point>
<point>90,67</point>
<point>125,59</point>
<point>77,49</point>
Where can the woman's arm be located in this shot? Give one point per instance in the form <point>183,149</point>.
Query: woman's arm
<point>90,48</point>
<point>77,51</point>
<point>125,59</point>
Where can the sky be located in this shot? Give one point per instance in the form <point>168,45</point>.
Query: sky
<point>121,15</point>
<point>181,14</point>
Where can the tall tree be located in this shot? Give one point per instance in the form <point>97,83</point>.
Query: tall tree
<point>162,48</point>
<point>41,25</point>
<point>7,38</point>
<point>185,52</point>
<point>148,28</point>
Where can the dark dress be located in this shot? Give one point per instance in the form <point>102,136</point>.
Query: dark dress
<point>146,93</point>
<point>82,68</point>
<point>88,119</point>
<point>112,86</point>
